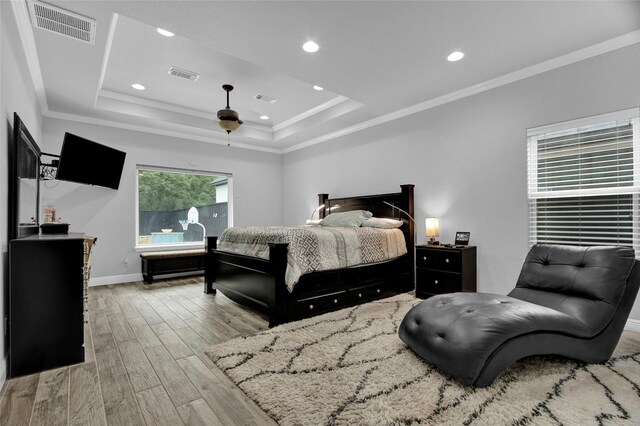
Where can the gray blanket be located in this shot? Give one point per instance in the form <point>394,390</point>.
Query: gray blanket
<point>316,248</point>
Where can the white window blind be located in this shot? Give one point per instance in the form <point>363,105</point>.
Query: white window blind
<point>584,181</point>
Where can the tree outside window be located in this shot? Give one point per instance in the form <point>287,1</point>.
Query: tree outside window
<point>180,207</point>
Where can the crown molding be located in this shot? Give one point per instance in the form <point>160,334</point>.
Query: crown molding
<point>107,53</point>
<point>123,97</point>
<point>181,132</point>
<point>25,31</point>
<point>186,132</point>
<point>552,64</point>
<point>313,111</point>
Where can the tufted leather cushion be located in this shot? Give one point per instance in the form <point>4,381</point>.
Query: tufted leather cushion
<point>459,331</point>
<point>571,301</point>
<point>586,283</point>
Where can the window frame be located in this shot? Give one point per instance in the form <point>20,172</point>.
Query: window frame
<point>140,248</point>
<point>533,194</point>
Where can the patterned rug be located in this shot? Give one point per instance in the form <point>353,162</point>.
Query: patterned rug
<point>349,367</point>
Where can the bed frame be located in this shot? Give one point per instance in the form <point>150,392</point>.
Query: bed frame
<point>259,283</point>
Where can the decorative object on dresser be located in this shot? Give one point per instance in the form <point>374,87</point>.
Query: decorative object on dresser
<point>432,230</point>
<point>46,302</point>
<point>569,301</point>
<point>260,282</point>
<point>350,368</point>
<point>171,262</point>
<point>442,269</point>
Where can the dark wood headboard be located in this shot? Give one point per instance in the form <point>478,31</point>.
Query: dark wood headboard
<point>375,204</point>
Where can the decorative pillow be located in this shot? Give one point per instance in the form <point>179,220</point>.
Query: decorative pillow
<point>346,219</point>
<point>382,222</point>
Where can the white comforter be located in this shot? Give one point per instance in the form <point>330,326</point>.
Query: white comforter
<point>316,248</point>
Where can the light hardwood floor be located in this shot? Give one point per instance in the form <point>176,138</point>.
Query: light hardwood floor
<point>144,363</point>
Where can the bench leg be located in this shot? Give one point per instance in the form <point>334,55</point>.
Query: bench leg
<point>148,278</point>
<point>208,287</point>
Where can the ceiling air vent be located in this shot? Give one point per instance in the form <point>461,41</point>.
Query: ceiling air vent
<point>189,75</point>
<point>63,22</point>
<point>266,98</point>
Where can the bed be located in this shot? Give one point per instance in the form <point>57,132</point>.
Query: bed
<point>260,283</point>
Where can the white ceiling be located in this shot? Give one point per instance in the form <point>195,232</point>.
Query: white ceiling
<point>377,60</point>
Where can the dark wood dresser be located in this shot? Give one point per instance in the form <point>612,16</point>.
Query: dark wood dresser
<point>442,269</point>
<point>46,302</point>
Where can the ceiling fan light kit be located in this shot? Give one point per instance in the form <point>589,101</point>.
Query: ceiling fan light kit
<point>229,120</point>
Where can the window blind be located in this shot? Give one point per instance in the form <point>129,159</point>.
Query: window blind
<point>584,181</point>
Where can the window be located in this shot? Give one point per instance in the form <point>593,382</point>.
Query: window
<point>180,207</point>
<point>584,181</point>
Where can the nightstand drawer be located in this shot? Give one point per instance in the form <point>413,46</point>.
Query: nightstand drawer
<point>437,282</point>
<point>443,260</point>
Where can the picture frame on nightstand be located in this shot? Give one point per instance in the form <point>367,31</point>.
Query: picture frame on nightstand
<point>462,238</point>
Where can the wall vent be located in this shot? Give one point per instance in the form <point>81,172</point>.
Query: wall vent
<point>189,75</point>
<point>266,98</point>
<point>62,22</point>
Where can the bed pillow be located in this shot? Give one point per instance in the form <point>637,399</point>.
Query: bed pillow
<point>346,219</point>
<point>382,222</point>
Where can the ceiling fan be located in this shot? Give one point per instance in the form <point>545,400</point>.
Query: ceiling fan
<point>228,118</point>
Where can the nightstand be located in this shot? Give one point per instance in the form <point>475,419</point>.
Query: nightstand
<point>442,269</point>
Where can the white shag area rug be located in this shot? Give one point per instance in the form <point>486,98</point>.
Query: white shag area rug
<point>350,368</point>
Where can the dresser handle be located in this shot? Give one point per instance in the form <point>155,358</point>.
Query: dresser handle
<point>446,260</point>
<point>435,282</point>
<point>424,258</point>
<point>335,300</point>
<point>378,290</point>
<point>359,294</point>
<point>310,306</point>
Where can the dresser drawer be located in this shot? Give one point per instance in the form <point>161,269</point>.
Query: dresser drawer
<point>437,282</point>
<point>324,303</point>
<point>443,260</point>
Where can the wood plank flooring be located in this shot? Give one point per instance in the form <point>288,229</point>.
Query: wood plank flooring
<point>144,363</point>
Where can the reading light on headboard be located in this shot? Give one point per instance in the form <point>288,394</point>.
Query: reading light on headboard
<point>403,211</point>
<point>317,209</point>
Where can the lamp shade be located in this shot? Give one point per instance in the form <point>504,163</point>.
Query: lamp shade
<point>432,226</point>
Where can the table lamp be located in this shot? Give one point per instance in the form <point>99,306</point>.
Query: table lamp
<point>432,226</point>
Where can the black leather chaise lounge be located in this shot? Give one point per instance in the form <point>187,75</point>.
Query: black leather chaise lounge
<point>568,301</point>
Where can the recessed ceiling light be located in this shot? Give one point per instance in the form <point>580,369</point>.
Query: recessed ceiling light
<point>165,32</point>
<point>138,86</point>
<point>310,46</point>
<point>318,88</point>
<point>455,56</point>
<point>264,117</point>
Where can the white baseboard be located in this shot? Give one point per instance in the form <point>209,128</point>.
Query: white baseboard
<point>632,325</point>
<point>114,279</point>
<point>119,279</point>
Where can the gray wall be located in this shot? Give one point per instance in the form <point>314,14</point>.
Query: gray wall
<point>17,94</point>
<point>110,215</point>
<point>468,159</point>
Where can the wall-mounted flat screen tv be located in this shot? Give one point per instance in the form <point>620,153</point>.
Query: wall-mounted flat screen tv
<point>88,162</point>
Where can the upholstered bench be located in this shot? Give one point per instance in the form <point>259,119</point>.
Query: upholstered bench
<point>171,262</point>
<point>568,301</point>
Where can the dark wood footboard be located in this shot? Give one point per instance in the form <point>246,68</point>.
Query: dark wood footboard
<point>260,283</point>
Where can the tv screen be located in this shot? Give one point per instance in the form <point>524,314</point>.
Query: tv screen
<point>85,161</point>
